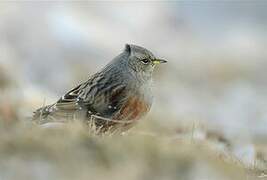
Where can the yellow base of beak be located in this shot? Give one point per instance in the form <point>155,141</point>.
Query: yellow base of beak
<point>159,61</point>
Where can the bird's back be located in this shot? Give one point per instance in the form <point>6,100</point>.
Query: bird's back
<point>112,94</point>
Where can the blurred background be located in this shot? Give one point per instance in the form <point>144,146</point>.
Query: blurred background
<point>216,75</point>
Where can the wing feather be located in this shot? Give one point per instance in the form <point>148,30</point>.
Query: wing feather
<point>101,95</point>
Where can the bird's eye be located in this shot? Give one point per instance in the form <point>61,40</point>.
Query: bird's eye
<point>145,61</point>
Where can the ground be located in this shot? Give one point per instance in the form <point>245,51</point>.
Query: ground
<point>73,151</point>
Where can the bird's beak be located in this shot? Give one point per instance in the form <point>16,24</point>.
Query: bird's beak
<point>158,61</point>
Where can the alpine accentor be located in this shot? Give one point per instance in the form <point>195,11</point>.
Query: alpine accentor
<point>116,96</point>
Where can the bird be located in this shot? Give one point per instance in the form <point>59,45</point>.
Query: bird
<point>115,97</point>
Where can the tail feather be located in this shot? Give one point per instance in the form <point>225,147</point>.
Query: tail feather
<point>41,115</point>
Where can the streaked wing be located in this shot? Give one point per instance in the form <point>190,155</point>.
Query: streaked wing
<point>101,94</point>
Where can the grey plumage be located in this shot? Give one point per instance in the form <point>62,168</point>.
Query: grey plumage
<point>111,93</point>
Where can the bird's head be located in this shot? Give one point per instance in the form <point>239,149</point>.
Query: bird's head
<point>141,60</point>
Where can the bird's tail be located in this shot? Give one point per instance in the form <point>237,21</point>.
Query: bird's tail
<point>41,115</point>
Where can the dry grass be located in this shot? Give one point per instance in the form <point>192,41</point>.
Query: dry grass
<point>77,152</point>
